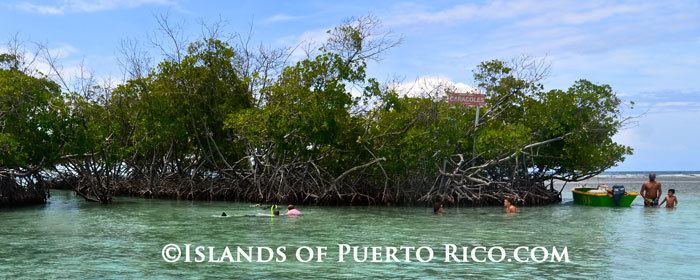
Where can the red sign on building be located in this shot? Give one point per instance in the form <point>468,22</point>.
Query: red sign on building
<point>467,99</point>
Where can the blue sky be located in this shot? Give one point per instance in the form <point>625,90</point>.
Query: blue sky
<point>648,51</point>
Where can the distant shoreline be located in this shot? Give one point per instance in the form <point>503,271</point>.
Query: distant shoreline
<point>647,172</point>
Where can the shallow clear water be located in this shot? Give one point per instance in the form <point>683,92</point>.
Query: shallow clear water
<point>69,238</point>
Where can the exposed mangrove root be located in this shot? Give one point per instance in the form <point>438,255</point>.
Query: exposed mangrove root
<point>458,182</point>
<point>21,190</point>
<point>307,183</point>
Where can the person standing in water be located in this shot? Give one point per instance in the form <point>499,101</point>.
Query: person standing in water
<point>670,199</point>
<point>509,207</point>
<point>651,191</point>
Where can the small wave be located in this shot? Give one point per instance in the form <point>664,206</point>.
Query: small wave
<point>681,175</point>
<point>625,175</point>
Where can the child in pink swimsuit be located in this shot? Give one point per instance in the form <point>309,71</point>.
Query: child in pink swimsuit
<point>291,211</point>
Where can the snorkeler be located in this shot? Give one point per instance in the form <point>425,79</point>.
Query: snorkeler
<point>275,213</point>
<point>292,211</point>
<point>651,191</point>
<point>509,207</point>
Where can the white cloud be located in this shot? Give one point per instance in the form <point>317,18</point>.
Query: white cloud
<point>634,46</point>
<point>307,41</point>
<point>470,12</point>
<point>433,86</point>
<point>314,37</point>
<point>662,142</point>
<point>539,27</point>
<point>526,12</point>
<point>281,18</point>
<point>631,137</point>
<point>63,51</point>
<point>84,6</point>
<point>585,13</point>
<point>677,104</point>
<point>40,9</point>
<point>70,64</point>
<point>66,61</point>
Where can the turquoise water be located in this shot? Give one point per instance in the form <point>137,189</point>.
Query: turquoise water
<point>70,238</point>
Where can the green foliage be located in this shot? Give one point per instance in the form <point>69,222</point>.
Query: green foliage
<point>178,110</point>
<point>418,134</point>
<point>30,110</point>
<point>591,114</point>
<point>307,112</point>
<point>197,116</point>
<point>586,115</point>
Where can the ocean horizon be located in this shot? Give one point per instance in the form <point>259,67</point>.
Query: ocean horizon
<point>668,173</point>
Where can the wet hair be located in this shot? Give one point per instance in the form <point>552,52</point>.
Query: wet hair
<point>223,214</point>
<point>290,207</point>
<point>652,176</point>
<point>437,206</point>
<point>673,191</point>
<point>276,213</point>
<point>509,200</point>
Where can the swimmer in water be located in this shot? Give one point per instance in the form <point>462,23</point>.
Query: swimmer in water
<point>292,211</point>
<point>275,213</point>
<point>223,214</point>
<point>438,209</point>
<point>509,207</point>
